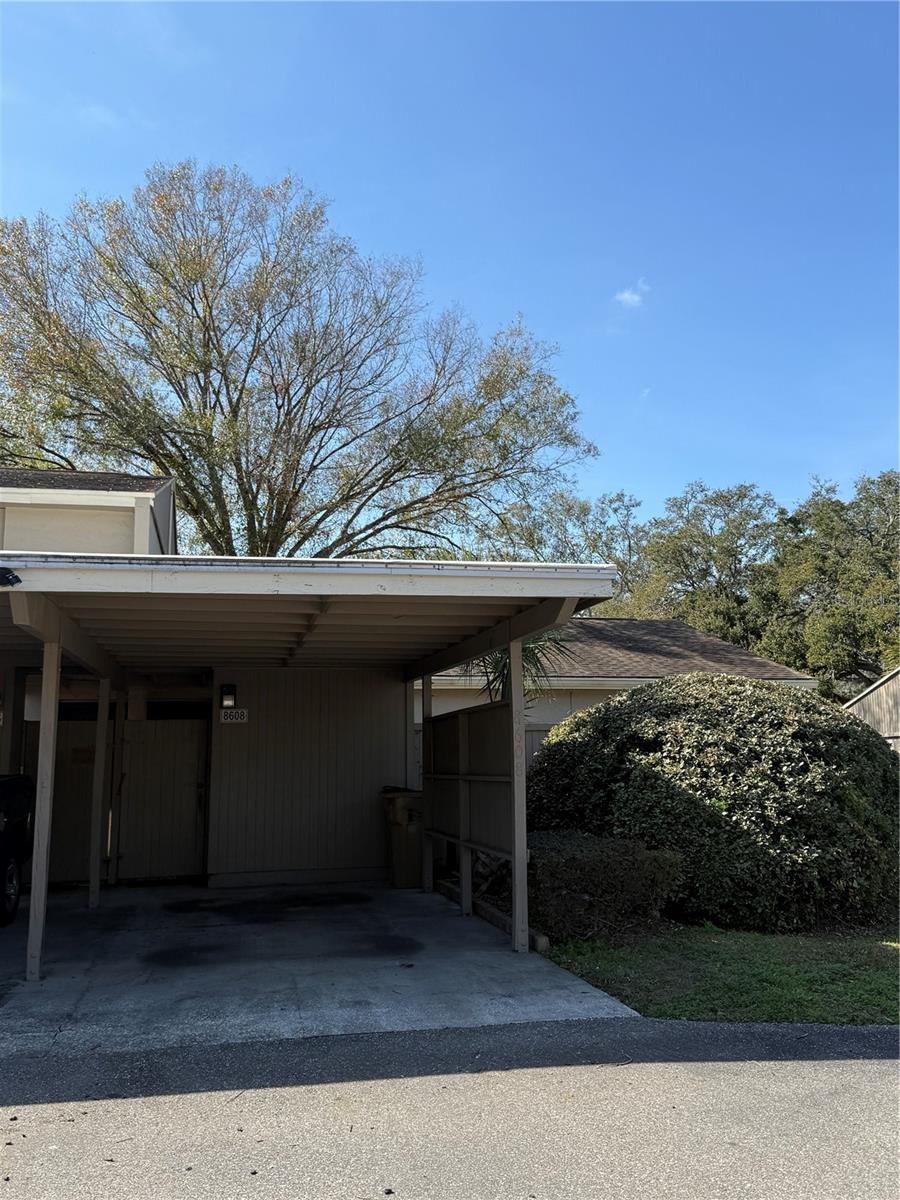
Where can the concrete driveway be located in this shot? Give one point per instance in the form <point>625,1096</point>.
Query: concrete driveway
<point>156,967</point>
<point>573,1110</point>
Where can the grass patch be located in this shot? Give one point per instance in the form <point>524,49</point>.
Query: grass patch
<point>708,974</point>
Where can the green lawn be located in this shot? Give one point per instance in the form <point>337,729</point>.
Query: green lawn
<point>708,974</point>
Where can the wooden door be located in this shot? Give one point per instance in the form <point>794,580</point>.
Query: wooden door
<point>162,819</point>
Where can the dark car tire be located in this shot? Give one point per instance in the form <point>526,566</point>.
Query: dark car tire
<point>11,884</point>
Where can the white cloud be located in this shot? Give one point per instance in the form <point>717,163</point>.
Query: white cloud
<point>645,392</point>
<point>633,297</point>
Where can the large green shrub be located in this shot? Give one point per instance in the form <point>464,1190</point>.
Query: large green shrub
<point>579,884</point>
<point>782,806</point>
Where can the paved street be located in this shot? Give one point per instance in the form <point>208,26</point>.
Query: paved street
<point>575,1110</point>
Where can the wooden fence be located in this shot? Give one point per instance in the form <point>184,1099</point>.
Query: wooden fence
<point>534,737</point>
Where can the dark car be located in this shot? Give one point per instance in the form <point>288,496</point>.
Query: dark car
<point>16,839</point>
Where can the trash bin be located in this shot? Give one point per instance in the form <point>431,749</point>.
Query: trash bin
<point>403,810</point>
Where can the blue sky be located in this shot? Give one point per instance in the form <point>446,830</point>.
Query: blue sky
<point>696,202</point>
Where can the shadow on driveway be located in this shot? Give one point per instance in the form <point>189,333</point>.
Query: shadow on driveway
<point>614,1044</point>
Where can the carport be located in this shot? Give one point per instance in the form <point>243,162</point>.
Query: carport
<point>308,667</point>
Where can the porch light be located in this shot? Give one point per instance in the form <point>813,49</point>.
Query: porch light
<point>227,695</point>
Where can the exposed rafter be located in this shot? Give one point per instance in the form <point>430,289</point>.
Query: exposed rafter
<point>40,617</point>
<point>532,621</point>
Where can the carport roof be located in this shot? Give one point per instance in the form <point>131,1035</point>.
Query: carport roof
<point>165,614</point>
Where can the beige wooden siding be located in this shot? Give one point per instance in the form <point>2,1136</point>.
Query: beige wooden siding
<point>161,821</point>
<point>534,739</point>
<point>546,710</point>
<point>295,791</point>
<point>70,831</point>
<point>880,708</point>
<point>468,793</point>
<point>68,529</point>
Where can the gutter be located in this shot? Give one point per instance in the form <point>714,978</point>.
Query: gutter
<point>518,583</point>
<point>180,563</point>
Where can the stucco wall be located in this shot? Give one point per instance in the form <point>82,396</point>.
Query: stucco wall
<point>294,793</point>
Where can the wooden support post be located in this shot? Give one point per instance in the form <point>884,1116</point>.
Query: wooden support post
<point>43,810</point>
<point>99,814</point>
<point>517,773</point>
<point>118,768</point>
<point>412,766</point>
<point>427,768</point>
<point>465,814</point>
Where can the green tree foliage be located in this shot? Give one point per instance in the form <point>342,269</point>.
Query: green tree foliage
<point>816,588</point>
<point>221,331</point>
<point>829,597</point>
<point>703,555</point>
<point>781,806</point>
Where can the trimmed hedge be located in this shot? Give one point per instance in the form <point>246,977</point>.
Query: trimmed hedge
<point>579,884</point>
<point>782,806</point>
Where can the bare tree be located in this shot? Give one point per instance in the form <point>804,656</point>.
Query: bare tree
<point>564,527</point>
<point>222,332</point>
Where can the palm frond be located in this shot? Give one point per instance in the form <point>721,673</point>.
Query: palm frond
<point>538,654</point>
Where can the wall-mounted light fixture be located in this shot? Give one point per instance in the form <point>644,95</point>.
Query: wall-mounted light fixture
<point>228,696</point>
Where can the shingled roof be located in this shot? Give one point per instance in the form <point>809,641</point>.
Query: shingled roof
<point>619,648</point>
<point>90,481</point>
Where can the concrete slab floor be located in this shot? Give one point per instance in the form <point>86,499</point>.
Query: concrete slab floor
<point>168,966</point>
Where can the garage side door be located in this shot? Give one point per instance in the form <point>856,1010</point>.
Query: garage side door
<point>162,819</point>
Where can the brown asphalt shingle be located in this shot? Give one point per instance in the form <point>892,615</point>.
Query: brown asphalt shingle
<point>619,648</point>
<point>93,481</point>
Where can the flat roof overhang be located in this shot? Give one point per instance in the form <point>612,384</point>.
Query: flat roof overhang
<point>161,614</point>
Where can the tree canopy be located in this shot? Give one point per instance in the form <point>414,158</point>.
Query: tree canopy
<point>829,598</point>
<point>221,331</point>
<point>307,402</point>
<point>816,587</point>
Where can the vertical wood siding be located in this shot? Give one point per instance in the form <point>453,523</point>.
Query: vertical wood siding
<point>295,791</point>
<point>534,739</point>
<point>71,823</point>
<point>880,708</point>
<point>484,806</point>
<point>162,819</point>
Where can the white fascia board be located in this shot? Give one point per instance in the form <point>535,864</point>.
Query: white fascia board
<point>181,575</point>
<point>70,497</point>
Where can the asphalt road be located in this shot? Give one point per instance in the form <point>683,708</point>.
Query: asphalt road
<point>575,1110</point>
